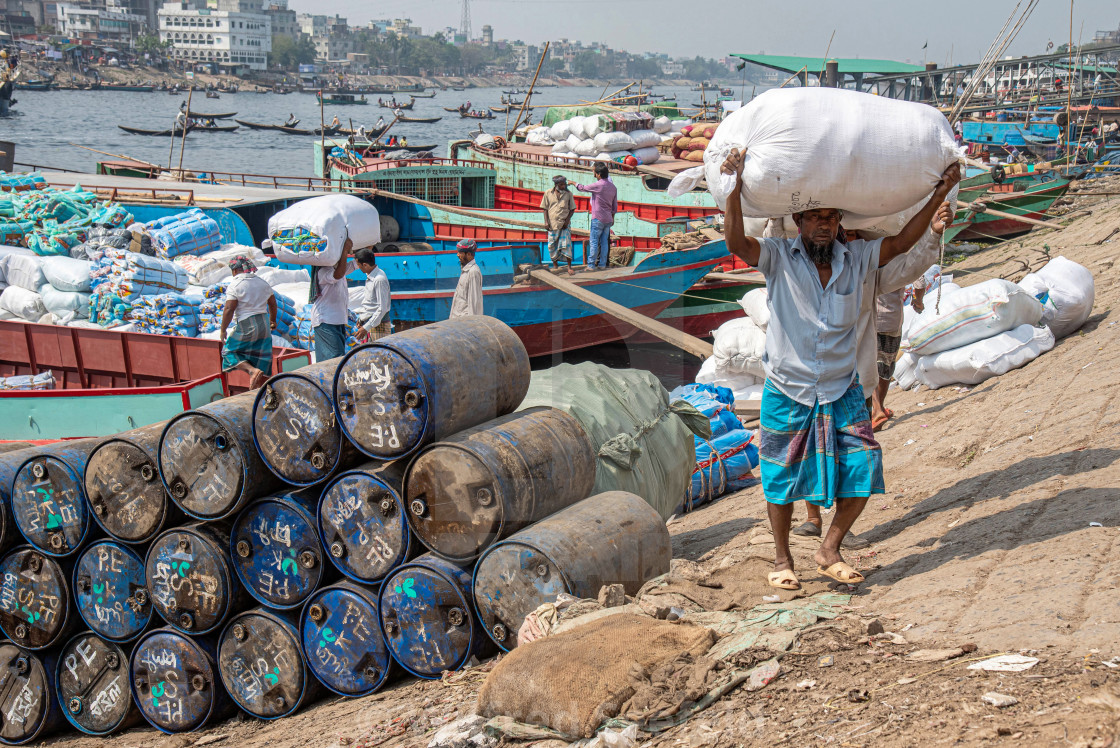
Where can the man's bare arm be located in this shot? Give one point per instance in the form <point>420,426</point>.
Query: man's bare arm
<point>901,242</point>
<point>746,248</point>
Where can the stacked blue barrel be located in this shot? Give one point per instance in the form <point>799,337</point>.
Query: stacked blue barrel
<point>353,519</point>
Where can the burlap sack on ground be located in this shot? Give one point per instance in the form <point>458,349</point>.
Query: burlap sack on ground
<point>574,680</point>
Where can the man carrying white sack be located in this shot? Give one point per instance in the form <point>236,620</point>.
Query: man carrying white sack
<point>816,442</point>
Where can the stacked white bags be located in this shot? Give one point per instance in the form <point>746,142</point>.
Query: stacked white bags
<point>23,274</point>
<point>313,231</point>
<point>1066,291</point>
<point>590,138</point>
<point>208,269</point>
<point>737,349</point>
<point>66,291</point>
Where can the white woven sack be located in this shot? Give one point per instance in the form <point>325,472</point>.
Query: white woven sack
<point>5,252</point>
<point>560,131</point>
<point>1072,292</point>
<point>645,138</point>
<point>676,125</point>
<point>609,142</point>
<point>25,271</point>
<point>60,303</point>
<point>756,303</point>
<point>972,314</point>
<point>67,273</point>
<point>585,148</point>
<point>743,386</point>
<point>560,147</point>
<point>662,124</point>
<point>646,155</point>
<point>573,141</point>
<point>575,126</point>
<point>23,303</point>
<point>297,292</point>
<point>984,359</point>
<point>906,371</point>
<point>592,126</point>
<point>275,276</point>
<point>334,218</point>
<point>738,347</point>
<point>539,136</point>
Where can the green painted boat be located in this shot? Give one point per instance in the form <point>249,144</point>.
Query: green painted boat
<point>1031,203</point>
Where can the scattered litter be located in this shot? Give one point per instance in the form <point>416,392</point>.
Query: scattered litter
<point>1005,664</point>
<point>805,685</point>
<point>890,637</point>
<point>906,681</point>
<point>612,738</point>
<point>859,695</point>
<point>1086,366</point>
<point>907,627</point>
<point>826,661</point>
<point>1030,438</point>
<point>1095,524</point>
<point>458,732</point>
<point>999,700</point>
<point>921,405</point>
<point>771,598</point>
<point>908,442</point>
<point>763,674</point>
<point>934,655</point>
<point>1114,663</point>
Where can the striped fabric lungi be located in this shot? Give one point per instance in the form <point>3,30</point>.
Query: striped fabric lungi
<point>251,342</point>
<point>385,327</point>
<point>820,453</point>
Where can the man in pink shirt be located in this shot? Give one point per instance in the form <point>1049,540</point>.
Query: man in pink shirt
<point>604,204</point>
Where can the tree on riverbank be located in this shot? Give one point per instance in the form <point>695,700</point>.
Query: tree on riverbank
<point>289,53</point>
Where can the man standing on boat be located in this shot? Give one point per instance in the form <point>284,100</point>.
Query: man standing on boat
<point>468,291</point>
<point>373,314</point>
<point>250,302</point>
<point>816,442</point>
<point>604,204</point>
<point>330,301</point>
<point>558,206</point>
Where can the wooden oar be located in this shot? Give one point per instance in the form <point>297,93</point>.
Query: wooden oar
<point>983,208</point>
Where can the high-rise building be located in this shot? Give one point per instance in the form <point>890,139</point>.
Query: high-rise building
<point>487,35</point>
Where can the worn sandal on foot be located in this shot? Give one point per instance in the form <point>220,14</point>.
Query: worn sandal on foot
<point>841,572</point>
<point>808,529</point>
<point>783,580</point>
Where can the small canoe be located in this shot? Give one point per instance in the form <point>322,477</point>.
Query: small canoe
<point>499,109</point>
<point>388,105</point>
<point>262,126</point>
<point>419,120</point>
<point>430,95</point>
<point>142,131</point>
<point>452,109</point>
<point>216,128</point>
<point>220,115</point>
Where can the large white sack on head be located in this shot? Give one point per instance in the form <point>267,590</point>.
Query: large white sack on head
<point>560,131</point>
<point>738,346</point>
<point>608,142</point>
<point>984,359</point>
<point>67,273</point>
<point>972,314</point>
<point>1072,292</point>
<point>646,155</point>
<point>870,156</point>
<point>743,386</point>
<point>756,303</point>
<point>313,231</point>
<point>782,227</point>
<point>585,148</point>
<point>662,124</point>
<point>539,136</point>
<point>573,141</point>
<point>60,303</point>
<point>275,276</point>
<point>645,138</point>
<point>25,271</point>
<point>23,303</point>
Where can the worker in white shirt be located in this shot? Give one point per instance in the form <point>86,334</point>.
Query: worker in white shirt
<point>468,291</point>
<point>330,300</point>
<point>373,314</point>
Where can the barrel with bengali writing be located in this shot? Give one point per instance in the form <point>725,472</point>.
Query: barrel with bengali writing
<point>427,617</point>
<point>486,483</point>
<point>28,704</point>
<point>342,639</point>
<point>260,658</point>
<point>411,388</point>
<point>91,680</point>
<point>111,591</point>
<point>610,538</point>
<point>363,522</point>
<point>295,427</point>
<point>191,580</point>
<point>208,462</point>
<point>175,681</point>
<point>36,606</point>
<point>276,550</point>
<point>125,492</point>
<point>48,497</point>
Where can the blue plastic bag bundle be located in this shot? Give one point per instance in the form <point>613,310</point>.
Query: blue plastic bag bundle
<point>107,309</point>
<point>167,314</point>
<point>723,465</point>
<point>192,232</point>
<point>717,403</point>
<point>21,182</point>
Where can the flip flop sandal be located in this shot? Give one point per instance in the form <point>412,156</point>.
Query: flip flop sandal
<point>889,412</point>
<point>841,572</point>
<point>879,422</point>
<point>807,529</point>
<point>783,580</point>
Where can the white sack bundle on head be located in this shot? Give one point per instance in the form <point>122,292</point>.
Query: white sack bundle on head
<point>314,231</point>
<point>869,156</point>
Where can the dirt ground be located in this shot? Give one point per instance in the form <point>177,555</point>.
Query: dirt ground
<point>998,534</point>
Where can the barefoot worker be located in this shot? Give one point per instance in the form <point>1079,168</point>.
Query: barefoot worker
<point>251,302</point>
<point>816,441</point>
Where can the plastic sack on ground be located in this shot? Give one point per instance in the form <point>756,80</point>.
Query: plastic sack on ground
<point>1070,290</point>
<point>648,155</point>
<point>756,303</point>
<point>25,271</point>
<point>313,231</point>
<point>643,446</point>
<point>972,314</point>
<point>60,303</point>
<point>23,303</point>
<point>67,274</point>
<point>738,346</point>
<point>906,370</point>
<point>984,359</point>
<point>870,156</point>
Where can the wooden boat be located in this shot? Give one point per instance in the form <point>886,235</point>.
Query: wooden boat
<point>468,115</point>
<point>1030,203</point>
<point>419,120</point>
<point>131,89</point>
<point>499,109</point>
<point>453,109</point>
<point>340,99</point>
<point>429,95</point>
<point>375,149</point>
<point>36,85</point>
<point>212,95</point>
<point>289,130</point>
<point>393,105</point>
<point>458,88</point>
<point>263,126</point>
<point>142,131</point>
<point>220,115</point>
<point>215,128</point>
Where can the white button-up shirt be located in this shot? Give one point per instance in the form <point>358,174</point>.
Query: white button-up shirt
<point>334,299</point>
<point>377,300</point>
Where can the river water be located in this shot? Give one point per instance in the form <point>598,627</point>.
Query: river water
<point>47,122</point>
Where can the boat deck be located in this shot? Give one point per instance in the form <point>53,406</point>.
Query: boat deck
<point>544,153</point>
<point>132,189</point>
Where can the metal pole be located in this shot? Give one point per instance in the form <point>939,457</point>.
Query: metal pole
<point>186,126</point>
<point>1069,88</point>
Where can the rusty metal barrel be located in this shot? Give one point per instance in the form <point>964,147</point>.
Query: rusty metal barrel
<point>363,522</point>
<point>10,460</point>
<point>208,462</point>
<point>427,617</point>
<point>610,538</point>
<point>28,703</point>
<point>175,681</point>
<point>111,591</point>
<point>409,389</point>
<point>125,492</point>
<point>191,579</point>
<point>342,639</point>
<point>91,680</point>
<point>49,504</point>
<point>36,607</point>
<point>486,483</point>
<point>276,550</point>
<point>295,427</point>
<point>260,658</point>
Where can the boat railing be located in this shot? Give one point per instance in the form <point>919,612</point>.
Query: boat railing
<point>549,160</point>
<point>382,165</point>
<point>261,180</point>
<point>41,167</point>
<point>141,196</point>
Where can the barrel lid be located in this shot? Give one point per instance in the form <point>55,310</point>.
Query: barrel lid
<point>111,591</point>
<point>261,665</point>
<point>127,497</point>
<point>48,506</point>
<point>93,684</point>
<point>426,620</point>
<point>26,698</point>
<point>34,598</point>
<point>189,580</point>
<point>172,681</point>
<point>381,401</point>
<point>454,502</point>
<point>343,642</point>
<point>364,528</point>
<point>201,465</point>
<point>294,429</point>
<point>512,580</point>
<point>276,552</point>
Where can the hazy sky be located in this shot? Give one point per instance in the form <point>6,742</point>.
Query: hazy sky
<point>893,29</point>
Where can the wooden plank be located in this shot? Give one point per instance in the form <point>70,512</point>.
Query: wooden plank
<point>992,211</point>
<point>750,277</point>
<point>671,335</point>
